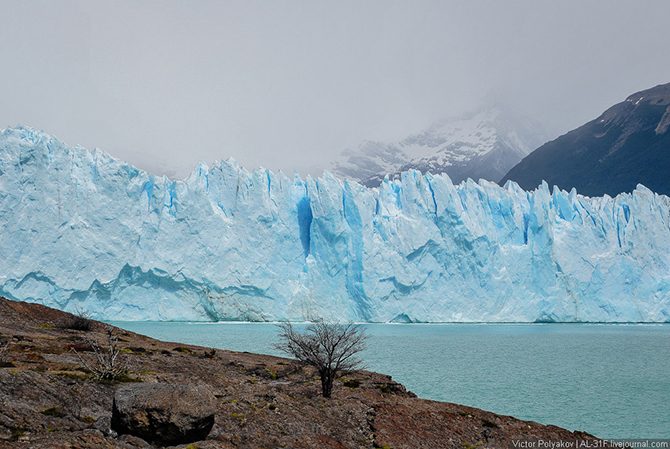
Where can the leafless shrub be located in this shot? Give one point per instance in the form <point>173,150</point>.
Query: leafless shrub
<point>107,364</point>
<point>209,354</point>
<point>330,348</point>
<point>80,320</point>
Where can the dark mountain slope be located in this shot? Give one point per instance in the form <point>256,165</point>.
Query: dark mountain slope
<point>628,144</point>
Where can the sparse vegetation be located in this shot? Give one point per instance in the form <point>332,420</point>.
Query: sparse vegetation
<point>80,320</point>
<point>384,387</point>
<point>210,354</point>
<point>182,350</point>
<point>476,445</point>
<point>56,412</point>
<point>331,348</point>
<point>351,383</point>
<point>4,354</point>
<point>107,365</point>
<point>49,399</point>
<point>17,433</point>
<point>88,419</point>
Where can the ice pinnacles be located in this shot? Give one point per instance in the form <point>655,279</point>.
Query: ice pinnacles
<point>82,230</point>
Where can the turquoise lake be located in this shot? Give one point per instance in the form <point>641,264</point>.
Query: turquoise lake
<point>609,380</point>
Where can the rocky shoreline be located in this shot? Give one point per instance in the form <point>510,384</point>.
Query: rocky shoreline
<point>49,400</point>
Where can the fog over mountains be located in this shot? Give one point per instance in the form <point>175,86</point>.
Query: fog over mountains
<point>627,145</point>
<point>480,145</point>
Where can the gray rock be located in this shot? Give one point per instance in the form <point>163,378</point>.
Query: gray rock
<point>164,413</point>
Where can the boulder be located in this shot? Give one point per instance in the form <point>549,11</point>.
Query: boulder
<point>164,414</point>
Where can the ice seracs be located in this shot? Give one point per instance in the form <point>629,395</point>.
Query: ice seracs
<point>82,230</point>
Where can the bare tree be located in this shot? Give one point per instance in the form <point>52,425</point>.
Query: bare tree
<point>107,365</point>
<point>330,348</point>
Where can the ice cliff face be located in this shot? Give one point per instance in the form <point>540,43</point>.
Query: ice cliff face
<point>81,230</point>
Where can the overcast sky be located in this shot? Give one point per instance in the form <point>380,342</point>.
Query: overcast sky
<point>289,84</point>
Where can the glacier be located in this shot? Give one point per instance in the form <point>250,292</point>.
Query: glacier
<point>81,230</point>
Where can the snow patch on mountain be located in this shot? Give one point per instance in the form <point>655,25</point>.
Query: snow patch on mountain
<point>485,145</point>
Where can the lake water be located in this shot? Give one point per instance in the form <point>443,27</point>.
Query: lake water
<point>609,380</point>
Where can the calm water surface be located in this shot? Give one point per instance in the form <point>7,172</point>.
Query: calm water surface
<point>609,380</point>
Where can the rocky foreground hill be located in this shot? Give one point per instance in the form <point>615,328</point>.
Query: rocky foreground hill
<point>49,400</point>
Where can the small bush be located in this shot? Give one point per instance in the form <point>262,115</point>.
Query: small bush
<point>182,350</point>
<point>239,417</point>
<point>351,383</point>
<point>387,387</point>
<point>107,365</point>
<point>490,424</point>
<point>88,419</point>
<point>80,347</point>
<point>209,354</point>
<point>54,411</point>
<point>17,433</point>
<point>79,321</point>
<point>137,349</point>
<point>476,445</point>
<point>4,355</point>
<point>73,375</point>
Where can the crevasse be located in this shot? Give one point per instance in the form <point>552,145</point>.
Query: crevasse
<point>82,230</point>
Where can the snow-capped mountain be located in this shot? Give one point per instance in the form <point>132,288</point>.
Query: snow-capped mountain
<point>482,145</point>
<point>82,230</point>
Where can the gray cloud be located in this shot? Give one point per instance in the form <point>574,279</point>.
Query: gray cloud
<point>289,84</point>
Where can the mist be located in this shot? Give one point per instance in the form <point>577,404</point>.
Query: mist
<point>288,85</point>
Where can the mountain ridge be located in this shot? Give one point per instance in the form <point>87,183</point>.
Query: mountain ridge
<point>626,145</point>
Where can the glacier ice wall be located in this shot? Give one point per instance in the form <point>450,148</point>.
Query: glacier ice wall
<point>82,230</point>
